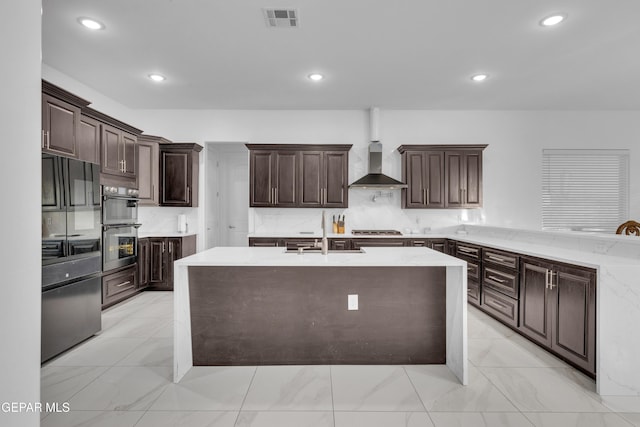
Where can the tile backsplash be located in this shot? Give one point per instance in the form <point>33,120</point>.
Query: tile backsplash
<point>165,219</point>
<point>369,209</point>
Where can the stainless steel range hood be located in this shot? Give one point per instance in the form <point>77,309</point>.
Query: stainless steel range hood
<point>375,178</point>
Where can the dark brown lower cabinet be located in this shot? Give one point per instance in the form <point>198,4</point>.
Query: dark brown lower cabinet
<point>377,242</point>
<point>264,242</point>
<point>119,285</point>
<point>144,247</point>
<point>163,251</point>
<point>557,309</point>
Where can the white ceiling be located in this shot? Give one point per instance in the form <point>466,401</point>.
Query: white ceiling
<point>400,54</point>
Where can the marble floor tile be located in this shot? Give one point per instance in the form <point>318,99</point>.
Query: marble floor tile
<point>136,327</point>
<point>123,389</point>
<point>166,331</point>
<point>93,419</point>
<point>208,388</point>
<point>188,419</point>
<point>160,309</point>
<point>632,417</point>
<point>290,388</point>
<point>542,390</point>
<point>98,351</point>
<point>621,403</point>
<point>482,326</point>
<point>584,419</point>
<point>479,419</point>
<point>373,388</point>
<point>285,419</point>
<point>60,383</point>
<point>441,391</point>
<point>382,419</point>
<point>153,352</point>
<point>515,352</point>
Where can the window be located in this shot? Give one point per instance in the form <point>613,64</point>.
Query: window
<point>585,190</point>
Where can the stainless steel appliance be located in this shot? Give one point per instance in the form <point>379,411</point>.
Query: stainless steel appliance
<point>119,227</point>
<point>376,233</point>
<point>71,253</point>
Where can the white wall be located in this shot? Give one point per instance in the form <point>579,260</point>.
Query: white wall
<point>512,161</point>
<point>20,256</point>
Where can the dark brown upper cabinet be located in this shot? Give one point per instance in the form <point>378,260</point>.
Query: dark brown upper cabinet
<point>89,140</point>
<point>148,169</point>
<point>61,115</point>
<point>307,176</point>
<point>442,176</point>
<point>179,168</point>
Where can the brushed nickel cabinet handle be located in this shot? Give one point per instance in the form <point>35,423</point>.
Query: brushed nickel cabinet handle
<point>170,247</point>
<point>466,250</point>
<point>498,304</point>
<point>496,279</point>
<point>42,139</point>
<point>188,194</point>
<point>495,258</point>
<point>276,195</point>
<point>427,198</point>
<point>162,247</point>
<point>124,284</point>
<point>552,274</point>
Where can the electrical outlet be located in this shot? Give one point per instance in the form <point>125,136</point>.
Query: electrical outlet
<point>352,302</point>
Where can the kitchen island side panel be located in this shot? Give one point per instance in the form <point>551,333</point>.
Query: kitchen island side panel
<point>273,315</point>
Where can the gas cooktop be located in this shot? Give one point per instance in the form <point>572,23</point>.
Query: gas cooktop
<point>376,233</point>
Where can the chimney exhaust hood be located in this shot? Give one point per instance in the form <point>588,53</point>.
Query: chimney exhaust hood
<point>375,178</point>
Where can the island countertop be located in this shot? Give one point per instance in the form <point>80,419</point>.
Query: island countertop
<point>402,263</point>
<point>277,256</point>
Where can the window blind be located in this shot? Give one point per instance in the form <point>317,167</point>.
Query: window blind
<point>585,190</point>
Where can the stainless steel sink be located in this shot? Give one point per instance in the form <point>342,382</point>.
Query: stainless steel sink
<point>317,251</point>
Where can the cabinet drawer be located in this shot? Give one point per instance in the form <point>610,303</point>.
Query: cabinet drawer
<point>299,243</point>
<point>119,285</point>
<point>473,270</point>
<point>339,244</point>
<point>501,306</point>
<point>473,292</point>
<point>468,251</point>
<point>501,281</point>
<point>505,259</point>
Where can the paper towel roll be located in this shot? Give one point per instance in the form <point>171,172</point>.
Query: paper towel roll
<point>182,223</point>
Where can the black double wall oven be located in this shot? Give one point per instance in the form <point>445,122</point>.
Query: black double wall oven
<point>71,253</point>
<point>119,227</point>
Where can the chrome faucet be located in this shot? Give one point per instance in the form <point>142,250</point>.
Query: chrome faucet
<point>324,245</point>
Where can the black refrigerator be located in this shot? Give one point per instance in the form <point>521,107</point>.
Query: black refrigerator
<point>71,253</point>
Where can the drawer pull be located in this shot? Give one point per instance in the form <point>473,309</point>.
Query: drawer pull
<point>495,258</point>
<point>128,282</point>
<point>467,250</point>
<point>497,279</point>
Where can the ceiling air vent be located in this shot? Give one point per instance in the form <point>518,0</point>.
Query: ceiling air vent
<point>281,18</point>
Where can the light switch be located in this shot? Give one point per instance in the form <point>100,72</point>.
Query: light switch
<point>352,302</point>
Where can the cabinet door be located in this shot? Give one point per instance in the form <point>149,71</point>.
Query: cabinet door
<point>176,173</point>
<point>157,247</point>
<point>311,179</point>
<point>455,178</point>
<point>175,253</point>
<point>111,160</point>
<point>335,179</point>
<point>148,160</point>
<point>339,244</point>
<point>261,175</point>
<point>143,263</point>
<point>59,126</point>
<point>574,314</point>
<point>473,179</point>
<point>434,179</point>
<point>415,195</point>
<point>285,188</point>
<point>363,243</point>
<point>89,140</point>
<point>535,310</point>
<point>129,155</point>
<point>437,244</point>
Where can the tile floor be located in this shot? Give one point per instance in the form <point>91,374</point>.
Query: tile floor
<point>122,377</point>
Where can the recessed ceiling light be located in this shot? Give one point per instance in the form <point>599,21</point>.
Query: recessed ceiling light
<point>316,77</point>
<point>157,77</point>
<point>479,77</point>
<point>554,19</point>
<point>91,24</point>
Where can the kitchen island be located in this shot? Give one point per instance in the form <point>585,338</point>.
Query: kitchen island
<point>266,306</point>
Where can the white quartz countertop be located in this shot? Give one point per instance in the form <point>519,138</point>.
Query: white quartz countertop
<point>349,235</point>
<point>372,257</point>
<point>145,234</point>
